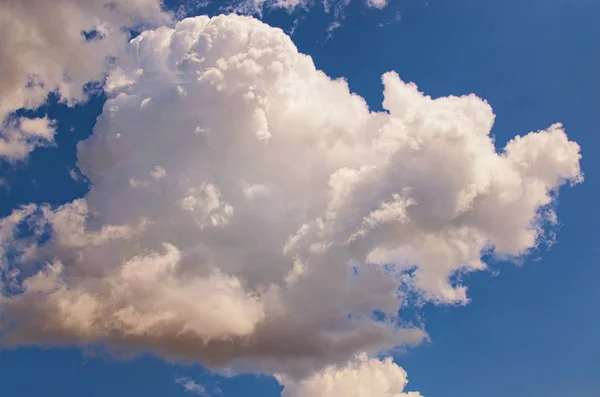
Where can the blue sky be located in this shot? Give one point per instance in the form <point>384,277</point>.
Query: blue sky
<point>529,329</point>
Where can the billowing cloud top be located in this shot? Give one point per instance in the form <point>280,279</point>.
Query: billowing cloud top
<point>248,211</point>
<point>363,378</point>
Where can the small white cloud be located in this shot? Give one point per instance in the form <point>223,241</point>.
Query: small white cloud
<point>20,137</point>
<point>190,386</point>
<point>76,175</point>
<point>379,4</point>
<point>38,128</point>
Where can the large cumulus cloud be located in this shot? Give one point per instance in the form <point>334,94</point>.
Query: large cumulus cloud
<point>246,210</point>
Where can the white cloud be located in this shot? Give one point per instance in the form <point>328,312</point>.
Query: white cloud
<point>362,377</point>
<point>266,243</point>
<point>258,6</point>
<point>190,386</point>
<point>20,136</point>
<point>9,242</point>
<point>37,127</point>
<point>335,8</point>
<point>379,4</point>
<point>43,50</point>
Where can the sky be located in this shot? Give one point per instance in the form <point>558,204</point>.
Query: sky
<point>222,208</point>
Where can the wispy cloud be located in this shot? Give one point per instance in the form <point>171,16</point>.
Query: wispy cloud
<point>190,385</point>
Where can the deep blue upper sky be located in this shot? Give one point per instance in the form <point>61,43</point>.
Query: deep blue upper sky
<point>531,330</point>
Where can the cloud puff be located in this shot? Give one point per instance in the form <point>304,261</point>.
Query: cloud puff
<point>379,4</point>
<point>20,136</point>
<point>190,386</point>
<point>363,377</point>
<point>272,212</point>
<point>44,50</point>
